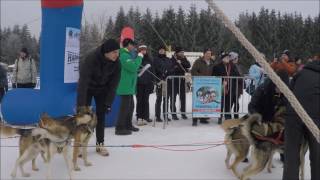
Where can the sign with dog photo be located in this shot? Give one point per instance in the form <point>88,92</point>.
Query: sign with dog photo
<point>72,53</point>
<point>206,97</point>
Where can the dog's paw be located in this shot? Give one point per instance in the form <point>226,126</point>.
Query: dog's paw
<point>88,163</point>
<point>26,175</point>
<point>77,168</point>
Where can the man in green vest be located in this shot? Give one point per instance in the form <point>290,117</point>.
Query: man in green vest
<point>127,87</point>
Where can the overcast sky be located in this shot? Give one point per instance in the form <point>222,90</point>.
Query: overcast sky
<point>29,11</point>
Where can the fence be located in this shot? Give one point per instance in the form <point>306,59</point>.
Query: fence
<point>9,77</point>
<point>234,97</point>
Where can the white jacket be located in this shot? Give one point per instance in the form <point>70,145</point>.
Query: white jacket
<point>24,71</point>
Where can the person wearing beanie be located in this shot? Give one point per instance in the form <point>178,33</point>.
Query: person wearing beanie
<point>181,66</point>
<point>99,78</point>
<point>163,67</point>
<point>284,64</point>
<point>305,86</point>
<point>25,71</point>
<point>127,87</point>
<point>227,69</point>
<point>237,84</point>
<point>145,87</point>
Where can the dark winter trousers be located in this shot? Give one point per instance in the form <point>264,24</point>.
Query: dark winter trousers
<point>226,105</point>
<point>2,92</point>
<point>235,104</point>
<point>179,89</point>
<point>125,112</point>
<point>159,100</point>
<point>295,131</point>
<point>99,98</point>
<point>143,93</point>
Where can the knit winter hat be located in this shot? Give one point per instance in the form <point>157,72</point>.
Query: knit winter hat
<point>110,45</point>
<point>128,41</point>
<point>142,47</point>
<point>233,55</point>
<point>25,50</point>
<point>286,52</point>
<point>178,49</point>
<point>223,55</point>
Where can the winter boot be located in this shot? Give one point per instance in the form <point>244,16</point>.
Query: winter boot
<point>100,149</point>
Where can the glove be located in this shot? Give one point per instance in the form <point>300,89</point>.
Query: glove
<point>108,109</point>
<point>140,55</point>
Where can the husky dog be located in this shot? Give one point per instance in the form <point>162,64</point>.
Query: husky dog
<point>37,141</point>
<point>240,136</point>
<point>86,122</point>
<point>236,143</point>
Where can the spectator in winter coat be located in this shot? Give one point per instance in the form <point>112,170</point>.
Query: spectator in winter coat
<point>257,77</point>
<point>163,68</point>
<point>25,71</point>
<point>181,66</point>
<point>3,80</point>
<point>237,84</point>
<point>127,87</point>
<point>267,98</point>
<point>284,64</point>
<point>202,67</point>
<point>226,69</point>
<point>305,86</point>
<point>99,78</point>
<point>144,89</point>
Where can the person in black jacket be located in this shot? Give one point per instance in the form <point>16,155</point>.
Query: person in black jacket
<point>226,69</point>
<point>144,89</point>
<point>99,78</point>
<point>181,66</point>
<point>267,98</point>
<point>3,82</point>
<point>163,67</point>
<point>306,87</point>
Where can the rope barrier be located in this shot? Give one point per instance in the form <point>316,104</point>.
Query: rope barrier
<point>167,147</point>
<point>266,67</point>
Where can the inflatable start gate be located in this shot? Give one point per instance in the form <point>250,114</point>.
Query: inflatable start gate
<point>60,33</point>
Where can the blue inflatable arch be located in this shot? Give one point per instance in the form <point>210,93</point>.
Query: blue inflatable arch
<point>24,106</point>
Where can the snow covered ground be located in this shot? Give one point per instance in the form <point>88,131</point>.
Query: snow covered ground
<point>147,163</point>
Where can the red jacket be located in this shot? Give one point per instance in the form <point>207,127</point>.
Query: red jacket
<point>289,67</point>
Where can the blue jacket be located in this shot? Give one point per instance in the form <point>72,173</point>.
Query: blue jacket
<point>256,73</point>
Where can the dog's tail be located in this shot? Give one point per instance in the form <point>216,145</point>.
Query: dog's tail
<point>8,131</point>
<point>247,126</point>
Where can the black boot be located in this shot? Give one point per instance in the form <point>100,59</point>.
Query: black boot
<point>133,129</point>
<point>184,117</point>
<point>220,120</point>
<point>159,120</point>
<point>204,121</point>
<point>194,122</point>
<point>175,117</point>
<point>123,132</point>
